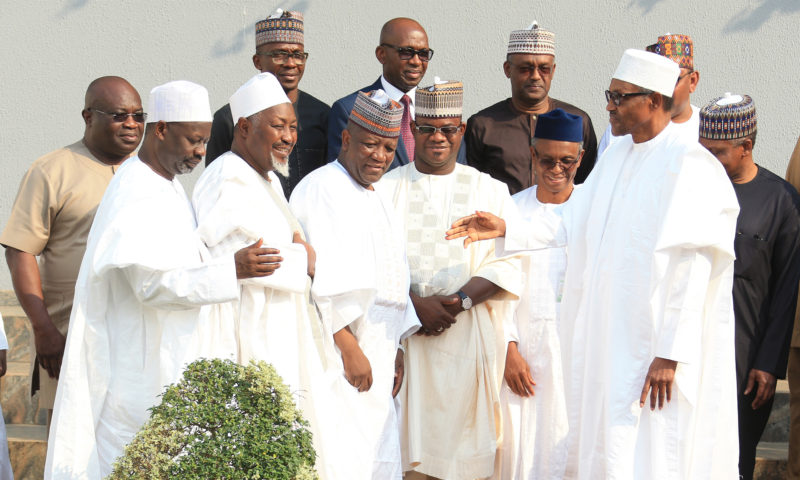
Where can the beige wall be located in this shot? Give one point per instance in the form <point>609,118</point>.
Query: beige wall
<point>53,49</point>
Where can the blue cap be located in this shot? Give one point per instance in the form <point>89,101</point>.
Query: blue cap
<point>559,125</point>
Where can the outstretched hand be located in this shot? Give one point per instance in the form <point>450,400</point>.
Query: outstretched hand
<point>475,227</point>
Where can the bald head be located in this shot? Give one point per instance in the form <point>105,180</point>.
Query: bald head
<point>109,139</point>
<point>402,33</point>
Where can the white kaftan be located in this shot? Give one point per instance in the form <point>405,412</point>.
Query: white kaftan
<point>146,289</point>
<point>5,461</point>
<point>650,240</point>
<point>361,280</point>
<point>450,400</point>
<point>535,428</point>
<point>275,321</point>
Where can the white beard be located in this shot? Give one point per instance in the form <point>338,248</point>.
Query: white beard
<point>281,167</point>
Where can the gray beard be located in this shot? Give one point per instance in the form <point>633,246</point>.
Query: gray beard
<point>281,167</point>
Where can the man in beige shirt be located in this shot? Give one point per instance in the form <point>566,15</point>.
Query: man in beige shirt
<point>53,213</point>
<point>793,177</point>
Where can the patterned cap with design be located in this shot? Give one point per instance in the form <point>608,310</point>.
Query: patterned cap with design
<point>443,99</point>
<point>534,40</point>
<point>678,48</point>
<point>377,113</point>
<point>728,117</point>
<point>280,27</point>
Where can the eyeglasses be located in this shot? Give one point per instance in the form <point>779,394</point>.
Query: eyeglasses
<point>617,97</point>
<point>407,53</point>
<point>528,69</point>
<point>430,130</point>
<point>281,56</point>
<point>550,164</point>
<point>138,117</point>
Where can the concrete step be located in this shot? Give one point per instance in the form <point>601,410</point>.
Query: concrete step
<point>27,446</point>
<point>771,461</point>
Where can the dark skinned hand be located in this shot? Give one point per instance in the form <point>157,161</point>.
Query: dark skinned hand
<point>256,261</point>
<point>436,313</point>
<point>766,387</point>
<point>660,377</point>
<point>518,373</point>
<point>50,345</point>
<point>475,227</point>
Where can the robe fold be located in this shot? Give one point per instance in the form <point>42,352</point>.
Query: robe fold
<point>361,281</point>
<point>650,240</point>
<point>147,289</point>
<point>450,401</point>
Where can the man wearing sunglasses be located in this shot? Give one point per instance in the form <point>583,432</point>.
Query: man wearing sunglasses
<point>53,213</point>
<point>280,51</point>
<point>404,53</point>
<point>647,307</point>
<point>498,137</point>
<point>680,49</point>
<point>454,367</point>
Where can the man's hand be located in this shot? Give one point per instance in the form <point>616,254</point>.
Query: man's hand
<point>357,369</point>
<point>312,255</point>
<point>3,364</point>
<point>50,345</point>
<point>478,226</point>
<point>518,373</point>
<point>659,380</point>
<point>766,387</point>
<point>436,313</point>
<point>255,261</point>
<point>399,372</point>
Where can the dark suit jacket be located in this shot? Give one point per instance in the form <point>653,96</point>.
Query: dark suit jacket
<point>337,121</point>
<point>307,155</point>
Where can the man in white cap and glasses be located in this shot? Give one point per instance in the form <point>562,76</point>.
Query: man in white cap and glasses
<point>460,295</point>
<point>361,287</point>
<point>646,314</point>
<point>274,320</point>
<point>147,288</point>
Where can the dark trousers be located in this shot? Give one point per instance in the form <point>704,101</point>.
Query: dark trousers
<point>751,426</point>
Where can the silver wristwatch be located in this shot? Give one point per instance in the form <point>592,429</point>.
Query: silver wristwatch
<point>466,302</point>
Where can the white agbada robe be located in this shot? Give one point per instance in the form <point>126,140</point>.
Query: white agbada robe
<point>361,280</point>
<point>690,128</point>
<point>274,319</point>
<point>535,428</point>
<point>650,240</point>
<point>146,290</point>
<point>450,400</point>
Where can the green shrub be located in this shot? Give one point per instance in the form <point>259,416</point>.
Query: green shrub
<point>222,421</point>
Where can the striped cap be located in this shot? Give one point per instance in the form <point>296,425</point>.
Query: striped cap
<point>443,99</point>
<point>280,27</point>
<point>533,39</point>
<point>678,48</point>
<point>377,113</point>
<point>728,117</point>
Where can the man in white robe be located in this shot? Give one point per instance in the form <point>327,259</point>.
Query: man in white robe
<point>647,296</point>
<point>450,401</point>
<point>361,286</point>
<point>532,398</point>
<point>275,321</point>
<point>685,116</point>
<point>146,288</point>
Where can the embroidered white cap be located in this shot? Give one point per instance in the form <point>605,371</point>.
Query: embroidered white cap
<point>259,93</point>
<point>648,70</point>
<point>179,101</point>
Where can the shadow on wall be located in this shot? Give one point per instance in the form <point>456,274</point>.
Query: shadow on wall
<point>71,5</point>
<point>235,43</point>
<point>752,18</point>
<point>646,5</point>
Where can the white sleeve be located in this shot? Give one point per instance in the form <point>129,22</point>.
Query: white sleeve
<point>3,338</point>
<point>546,229</point>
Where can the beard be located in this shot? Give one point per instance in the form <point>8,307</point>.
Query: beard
<point>281,167</point>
